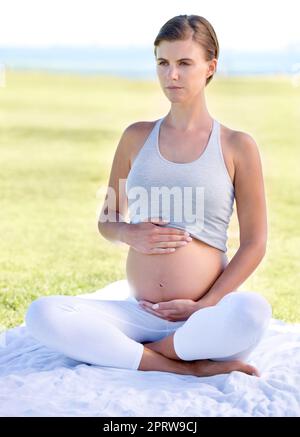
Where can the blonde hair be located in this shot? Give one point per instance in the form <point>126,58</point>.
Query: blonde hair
<point>183,27</point>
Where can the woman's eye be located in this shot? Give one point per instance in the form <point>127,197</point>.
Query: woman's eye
<point>163,62</point>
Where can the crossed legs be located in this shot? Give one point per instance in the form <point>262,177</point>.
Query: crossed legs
<point>233,329</point>
<point>111,333</point>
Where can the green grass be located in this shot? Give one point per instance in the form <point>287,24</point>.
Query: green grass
<point>58,135</point>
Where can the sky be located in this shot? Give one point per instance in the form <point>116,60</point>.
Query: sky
<point>239,24</point>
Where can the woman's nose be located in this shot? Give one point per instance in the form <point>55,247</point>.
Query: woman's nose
<point>173,72</point>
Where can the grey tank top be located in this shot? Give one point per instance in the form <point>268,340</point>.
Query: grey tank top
<point>196,196</point>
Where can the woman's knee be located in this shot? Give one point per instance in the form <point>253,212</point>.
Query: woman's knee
<point>41,314</point>
<point>253,309</point>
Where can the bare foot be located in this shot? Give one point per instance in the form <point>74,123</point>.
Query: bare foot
<point>210,368</point>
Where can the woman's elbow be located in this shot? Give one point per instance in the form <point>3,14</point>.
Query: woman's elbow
<point>259,247</point>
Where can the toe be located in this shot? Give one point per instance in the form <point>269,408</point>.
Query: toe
<point>255,372</point>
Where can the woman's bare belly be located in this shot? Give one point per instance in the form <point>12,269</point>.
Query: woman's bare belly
<point>187,273</point>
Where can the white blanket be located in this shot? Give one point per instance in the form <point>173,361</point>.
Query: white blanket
<point>37,381</point>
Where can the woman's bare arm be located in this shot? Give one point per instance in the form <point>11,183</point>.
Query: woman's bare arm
<point>111,221</point>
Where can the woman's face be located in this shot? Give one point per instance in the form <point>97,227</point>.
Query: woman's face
<point>182,64</point>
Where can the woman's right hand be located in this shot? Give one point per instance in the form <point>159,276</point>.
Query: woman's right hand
<point>150,238</point>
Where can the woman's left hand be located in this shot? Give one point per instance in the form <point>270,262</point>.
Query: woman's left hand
<point>172,310</point>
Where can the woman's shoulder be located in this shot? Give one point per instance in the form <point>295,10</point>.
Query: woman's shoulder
<point>140,126</point>
<point>238,143</point>
<point>236,136</point>
<point>138,133</point>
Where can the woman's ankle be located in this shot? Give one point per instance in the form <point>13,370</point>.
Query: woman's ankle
<point>152,360</point>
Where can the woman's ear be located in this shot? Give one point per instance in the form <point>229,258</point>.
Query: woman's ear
<point>212,67</point>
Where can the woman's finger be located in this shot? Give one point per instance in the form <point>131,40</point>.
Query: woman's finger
<point>156,313</point>
<point>154,306</point>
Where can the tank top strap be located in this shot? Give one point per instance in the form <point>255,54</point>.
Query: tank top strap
<point>213,142</point>
<point>153,135</point>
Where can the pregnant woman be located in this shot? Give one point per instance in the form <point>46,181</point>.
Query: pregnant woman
<point>185,314</point>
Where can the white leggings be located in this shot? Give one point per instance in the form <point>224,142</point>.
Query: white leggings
<point>111,332</point>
